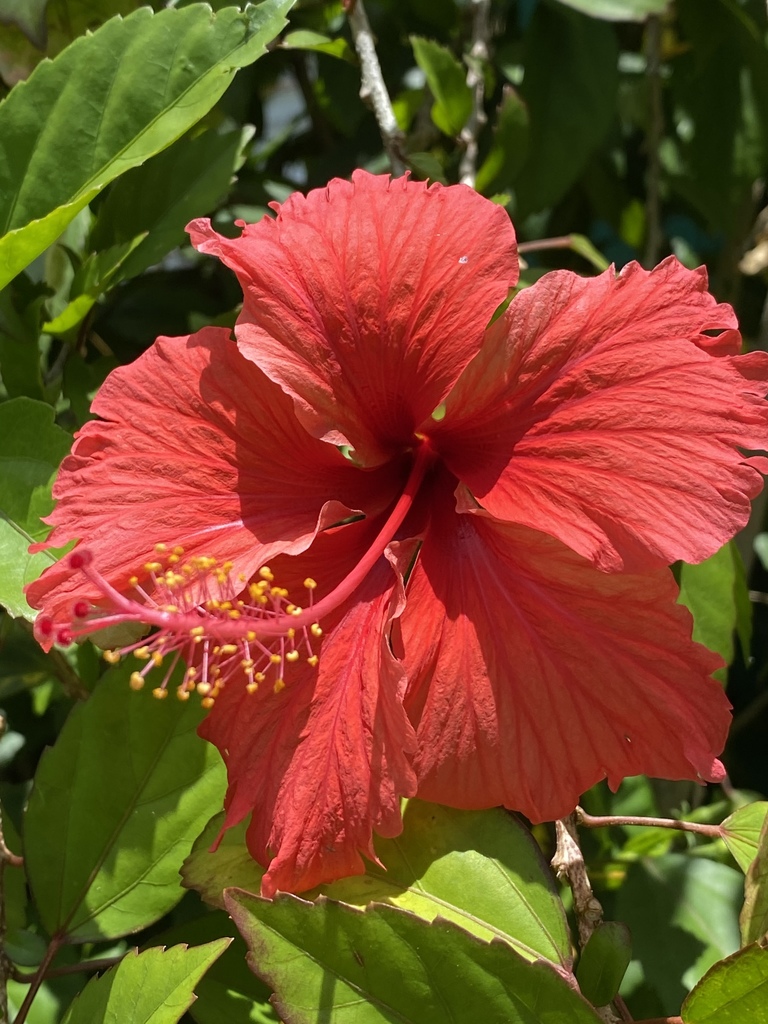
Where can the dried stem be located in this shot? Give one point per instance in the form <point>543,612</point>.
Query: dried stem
<point>373,89</point>
<point>605,820</point>
<point>653,138</point>
<point>478,55</point>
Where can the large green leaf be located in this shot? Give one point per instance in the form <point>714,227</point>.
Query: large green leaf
<point>109,102</point>
<point>741,832</point>
<point>682,914</point>
<point>331,962</point>
<point>479,869</point>
<point>734,991</point>
<point>153,987</point>
<point>115,808</point>
<point>754,913</point>
<point>619,10</point>
<point>447,80</point>
<point>570,110</point>
<point>510,144</point>
<point>32,448</point>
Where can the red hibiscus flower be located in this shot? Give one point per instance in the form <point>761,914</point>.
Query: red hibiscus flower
<point>480,519</point>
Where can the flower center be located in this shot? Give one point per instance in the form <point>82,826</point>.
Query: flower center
<point>222,628</point>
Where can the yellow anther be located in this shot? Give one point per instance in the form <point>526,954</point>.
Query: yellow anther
<point>207,702</point>
<point>229,649</point>
<point>178,550</point>
<point>142,653</point>
<point>153,567</point>
<point>275,659</point>
<point>191,673</point>
<point>182,693</point>
<point>250,636</point>
<point>197,631</point>
<point>315,629</point>
<point>313,660</point>
<point>215,671</point>
<point>279,685</point>
<point>134,581</point>
<point>241,577</point>
<point>266,573</point>
<point>227,566</point>
<point>170,608</point>
<point>204,689</point>
<point>251,687</point>
<point>292,656</point>
<point>111,657</point>
<point>136,681</point>
<point>159,693</point>
<point>259,677</point>
<point>173,559</point>
<point>246,664</point>
<point>290,633</point>
<point>157,658</point>
<point>297,610</point>
<point>309,583</point>
<point>235,613</point>
<point>161,548</point>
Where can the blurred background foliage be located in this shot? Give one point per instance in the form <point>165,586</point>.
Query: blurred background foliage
<point>612,130</point>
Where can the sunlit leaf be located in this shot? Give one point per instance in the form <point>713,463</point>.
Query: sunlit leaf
<point>754,913</point>
<point>734,991</point>
<point>447,80</point>
<point>741,832</point>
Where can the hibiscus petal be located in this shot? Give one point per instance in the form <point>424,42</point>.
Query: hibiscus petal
<point>534,675</point>
<point>599,410</point>
<point>366,300</point>
<point>324,762</point>
<point>196,448</point>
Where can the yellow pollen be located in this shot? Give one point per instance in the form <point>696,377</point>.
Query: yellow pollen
<point>279,685</point>
<point>275,658</point>
<point>134,581</point>
<point>159,693</point>
<point>161,548</point>
<point>197,631</point>
<point>173,559</point>
<point>266,573</point>
<point>251,687</point>
<point>313,660</point>
<point>170,608</point>
<point>153,567</point>
<point>309,583</point>
<point>142,653</point>
<point>157,658</point>
<point>259,677</point>
<point>292,656</point>
<point>111,657</point>
<point>250,636</point>
<point>136,681</point>
<point>178,551</point>
<point>207,702</point>
<point>297,610</point>
<point>204,689</point>
<point>182,693</point>
<point>246,664</point>
<point>315,629</point>
<point>229,649</point>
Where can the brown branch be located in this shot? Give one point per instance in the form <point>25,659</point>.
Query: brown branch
<point>373,89</point>
<point>38,978</point>
<point>478,55</point>
<point>85,967</point>
<point>605,820</point>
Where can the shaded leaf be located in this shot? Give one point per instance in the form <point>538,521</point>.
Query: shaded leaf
<point>741,832</point>
<point>447,80</point>
<point>153,987</point>
<point>384,964</point>
<point>619,10</point>
<point>510,144</point>
<point>734,991</point>
<point>715,592</point>
<point>604,961</point>
<point>754,913</point>
<point>109,102</point>
<point>33,446</point>
<point>479,869</point>
<point>116,805</point>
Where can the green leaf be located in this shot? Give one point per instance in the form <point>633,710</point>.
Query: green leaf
<point>447,80</point>
<point>570,111</point>
<point>153,987</point>
<point>741,832</point>
<point>754,913</point>
<point>33,446</point>
<point>734,991</point>
<point>682,914</point>
<point>386,965</point>
<point>510,144</point>
<point>230,993</point>
<point>115,808</point>
<point>153,203</point>
<point>604,961</point>
<point>304,39</point>
<point>479,869</point>
<point>619,10</point>
<point>20,367</point>
<point>715,592</point>
<point>109,102</point>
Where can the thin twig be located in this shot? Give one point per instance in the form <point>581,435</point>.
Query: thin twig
<point>373,89</point>
<point>85,967</point>
<point>38,979</point>
<point>568,863</point>
<point>478,56</point>
<point>653,137</point>
<point>605,820</point>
